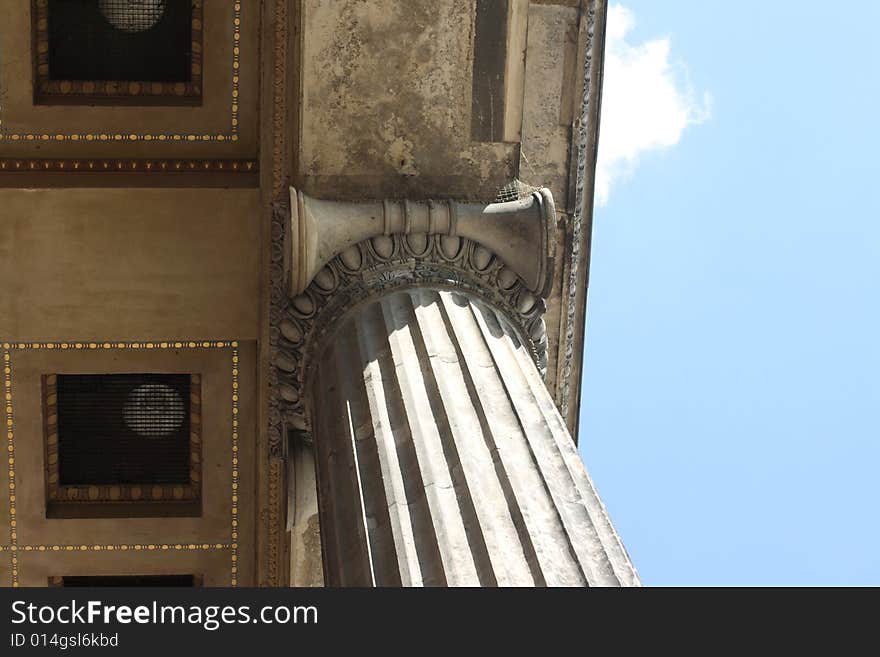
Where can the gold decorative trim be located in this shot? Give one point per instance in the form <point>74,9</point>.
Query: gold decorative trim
<point>133,547</point>
<point>233,569</point>
<point>128,166</point>
<point>85,91</point>
<point>14,548</point>
<point>159,344</point>
<point>231,135</point>
<point>127,493</point>
<point>10,448</point>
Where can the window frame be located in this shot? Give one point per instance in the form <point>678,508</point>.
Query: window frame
<point>113,92</point>
<point>114,500</point>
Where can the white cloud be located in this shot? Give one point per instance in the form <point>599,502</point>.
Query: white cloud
<point>647,102</point>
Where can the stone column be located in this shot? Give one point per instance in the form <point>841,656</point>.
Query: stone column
<point>442,459</point>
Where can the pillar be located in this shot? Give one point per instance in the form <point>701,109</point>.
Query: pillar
<point>442,459</point>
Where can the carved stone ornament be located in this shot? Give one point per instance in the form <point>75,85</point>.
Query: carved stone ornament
<point>338,255</point>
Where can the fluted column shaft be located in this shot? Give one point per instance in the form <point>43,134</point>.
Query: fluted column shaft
<point>442,459</point>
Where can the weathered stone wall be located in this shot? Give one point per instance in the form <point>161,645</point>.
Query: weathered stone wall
<point>386,89</point>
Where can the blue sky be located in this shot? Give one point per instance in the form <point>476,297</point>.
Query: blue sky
<point>732,369</point>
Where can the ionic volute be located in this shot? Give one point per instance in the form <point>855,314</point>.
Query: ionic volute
<point>520,232</point>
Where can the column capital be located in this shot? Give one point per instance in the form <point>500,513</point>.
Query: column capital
<point>372,267</point>
<point>520,232</point>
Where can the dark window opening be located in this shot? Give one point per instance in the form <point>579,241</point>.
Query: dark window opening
<point>123,429</point>
<point>120,40</point>
<point>131,580</point>
<point>122,445</point>
<point>118,52</point>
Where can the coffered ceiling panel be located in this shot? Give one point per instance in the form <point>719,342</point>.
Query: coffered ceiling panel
<point>213,119</point>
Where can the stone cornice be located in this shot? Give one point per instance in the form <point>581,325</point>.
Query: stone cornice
<point>574,287</point>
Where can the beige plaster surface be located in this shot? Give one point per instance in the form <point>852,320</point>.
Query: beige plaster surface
<point>99,264</point>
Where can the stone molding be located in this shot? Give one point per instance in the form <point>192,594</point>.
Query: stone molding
<point>586,139</point>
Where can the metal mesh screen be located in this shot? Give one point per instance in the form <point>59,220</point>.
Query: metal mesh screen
<point>130,580</point>
<point>123,429</point>
<point>514,191</point>
<point>132,15</point>
<point>120,40</point>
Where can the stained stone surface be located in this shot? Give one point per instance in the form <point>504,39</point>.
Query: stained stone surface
<point>386,102</point>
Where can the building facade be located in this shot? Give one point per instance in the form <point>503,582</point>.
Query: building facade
<point>294,292</point>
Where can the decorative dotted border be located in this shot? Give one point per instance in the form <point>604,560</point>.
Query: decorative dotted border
<point>233,568</point>
<point>129,166</point>
<point>105,344</point>
<point>136,547</point>
<point>14,548</point>
<point>10,448</point>
<point>232,135</point>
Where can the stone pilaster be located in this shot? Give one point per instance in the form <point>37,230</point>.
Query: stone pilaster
<point>443,459</point>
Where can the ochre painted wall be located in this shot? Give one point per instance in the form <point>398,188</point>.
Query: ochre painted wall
<point>114,264</point>
<point>114,267</point>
